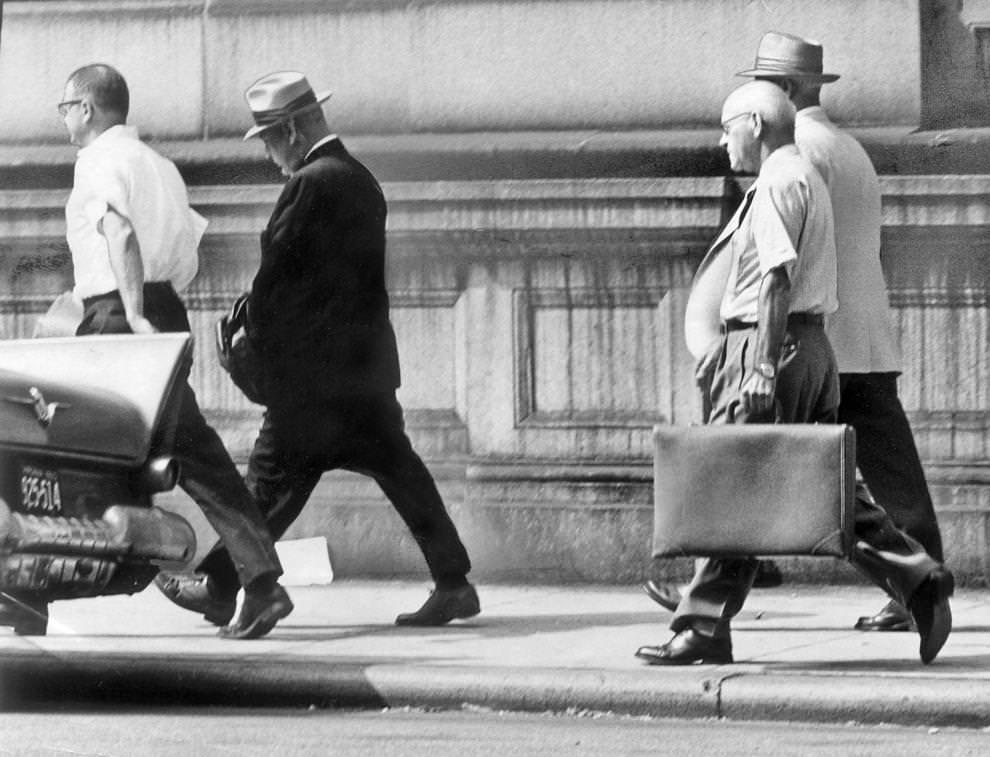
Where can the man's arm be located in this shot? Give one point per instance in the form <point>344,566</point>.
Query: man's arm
<point>772,308</point>
<point>127,267</point>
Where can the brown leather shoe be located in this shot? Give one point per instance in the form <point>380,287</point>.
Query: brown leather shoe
<point>443,606</point>
<point>893,617</point>
<point>668,596</point>
<point>258,614</point>
<point>198,593</point>
<point>929,606</point>
<point>688,648</point>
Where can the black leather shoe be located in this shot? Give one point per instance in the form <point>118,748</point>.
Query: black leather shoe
<point>443,606</point>
<point>688,648</point>
<point>258,614</point>
<point>668,596</point>
<point>893,617</point>
<point>198,593</point>
<point>929,606</point>
<point>768,575</point>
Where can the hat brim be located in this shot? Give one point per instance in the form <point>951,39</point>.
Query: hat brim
<point>777,74</point>
<point>255,130</point>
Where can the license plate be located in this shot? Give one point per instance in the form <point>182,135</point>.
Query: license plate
<point>40,490</point>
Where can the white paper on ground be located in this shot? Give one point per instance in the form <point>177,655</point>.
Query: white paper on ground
<point>305,562</point>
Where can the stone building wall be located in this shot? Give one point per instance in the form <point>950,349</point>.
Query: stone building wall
<point>553,178</point>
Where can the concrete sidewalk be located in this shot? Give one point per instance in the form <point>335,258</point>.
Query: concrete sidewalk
<point>536,648</point>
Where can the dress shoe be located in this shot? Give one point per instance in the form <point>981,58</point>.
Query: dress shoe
<point>668,596</point>
<point>198,593</point>
<point>893,617</point>
<point>768,575</point>
<point>929,606</point>
<point>443,606</point>
<point>258,613</point>
<point>688,648</point>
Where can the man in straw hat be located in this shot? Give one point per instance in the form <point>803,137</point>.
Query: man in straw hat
<point>133,239</point>
<point>860,330</point>
<point>756,313</point>
<point>318,315</point>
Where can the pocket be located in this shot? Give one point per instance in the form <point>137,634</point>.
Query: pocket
<point>104,317</point>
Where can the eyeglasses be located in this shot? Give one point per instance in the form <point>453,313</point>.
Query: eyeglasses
<point>65,105</point>
<point>726,122</point>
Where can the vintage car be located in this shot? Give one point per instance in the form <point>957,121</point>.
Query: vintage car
<point>85,442</point>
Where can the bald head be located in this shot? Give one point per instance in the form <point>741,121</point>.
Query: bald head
<point>765,99</point>
<point>757,118</point>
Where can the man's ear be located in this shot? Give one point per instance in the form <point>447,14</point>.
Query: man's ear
<point>291,132</point>
<point>757,125</point>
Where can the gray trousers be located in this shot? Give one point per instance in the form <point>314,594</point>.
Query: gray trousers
<point>807,391</point>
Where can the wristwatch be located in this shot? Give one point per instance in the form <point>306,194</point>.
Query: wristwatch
<point>767,370</point>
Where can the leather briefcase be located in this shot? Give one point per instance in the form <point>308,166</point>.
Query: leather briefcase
<point>759,489</point>
<point>237,355</point>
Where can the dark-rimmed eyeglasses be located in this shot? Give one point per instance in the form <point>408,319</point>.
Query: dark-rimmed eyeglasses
<point>726,122</point>
<point>65,105</point>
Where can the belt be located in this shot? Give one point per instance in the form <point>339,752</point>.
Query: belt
<point>793,319</point>
<point>114,294</point>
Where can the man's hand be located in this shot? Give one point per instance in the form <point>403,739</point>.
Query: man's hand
<point>141,325</point>
<point>758,395</point>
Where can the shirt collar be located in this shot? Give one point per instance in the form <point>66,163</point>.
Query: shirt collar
<point>319,144</point>
<point>120,131</point>
<point>812,113</point>
<point>781,154</point>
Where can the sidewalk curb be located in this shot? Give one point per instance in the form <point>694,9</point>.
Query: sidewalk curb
<point>28,679</point>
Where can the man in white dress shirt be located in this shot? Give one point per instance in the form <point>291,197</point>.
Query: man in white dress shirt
<point>134,243</point>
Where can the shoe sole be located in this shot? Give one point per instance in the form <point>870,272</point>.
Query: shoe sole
<point>664,600</point>
<point>261,625</point>
<point>940,587</point>
<point>219,614</point>
<point>442,621</point>
<point>652,660</point>
<point>904,625</point>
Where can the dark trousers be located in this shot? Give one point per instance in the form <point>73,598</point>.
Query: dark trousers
<point>364,434</point>
<point>208,474</point>
<point>887,456</point>
<point>807,391</point>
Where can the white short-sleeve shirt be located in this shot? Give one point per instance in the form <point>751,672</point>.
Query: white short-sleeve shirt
<point>117,170</point>
<point>788,224</point>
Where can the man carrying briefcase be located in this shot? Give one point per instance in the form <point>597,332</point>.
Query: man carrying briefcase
<point>755,321</point>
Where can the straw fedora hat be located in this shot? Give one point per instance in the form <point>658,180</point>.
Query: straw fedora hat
<point>786,56</point>
<point>279,96</point>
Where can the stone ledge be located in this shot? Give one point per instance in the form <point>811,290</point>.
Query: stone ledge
<point>513,155</point>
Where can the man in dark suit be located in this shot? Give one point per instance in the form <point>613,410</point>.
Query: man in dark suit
<point>318,316</point>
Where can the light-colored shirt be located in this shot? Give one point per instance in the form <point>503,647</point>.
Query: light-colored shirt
<point>861,331</point>
<point>319,143</point>
<point>788,224</point>
<point>116,170</point>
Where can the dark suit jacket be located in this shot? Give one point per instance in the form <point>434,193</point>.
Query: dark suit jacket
<point>318,305</point>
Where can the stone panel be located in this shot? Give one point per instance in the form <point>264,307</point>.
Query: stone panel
<point>156,44</point>
<point>449,66</point>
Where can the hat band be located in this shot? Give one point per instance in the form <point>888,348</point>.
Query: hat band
<point>274,115</point>
<point>784,65</point>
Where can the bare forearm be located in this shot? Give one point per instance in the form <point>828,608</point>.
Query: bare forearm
<point>773,306</point>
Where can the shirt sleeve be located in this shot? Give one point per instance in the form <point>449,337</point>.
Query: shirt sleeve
<point>105,185</point>
<point>779,212</point>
